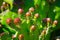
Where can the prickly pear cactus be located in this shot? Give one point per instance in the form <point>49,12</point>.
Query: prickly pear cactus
<point>29,19</point>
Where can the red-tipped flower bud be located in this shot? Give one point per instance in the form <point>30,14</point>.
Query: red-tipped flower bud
<point>48,19</point>
<point>13,36</point>
<point>4,4</point>
<point>55,22</point>
<point>43,32</point>
<point>28,14</point>
<point>36,15</point>
<point>9,20</point>
<point>31,9</point>
<point>21,37</point>
<point>20,11</point>
<point>32,28</point>
<point>17,20</point>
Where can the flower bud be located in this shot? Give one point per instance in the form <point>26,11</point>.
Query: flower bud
<point>13,36</point>
<point>55,22</point>
<point>48,19</point>
<point>28,14</point>
<point>31,9</point>
<point>17,20</point>
<point>32,28</point>
<point>9,20</point>
<point>21,37</point>
<point>20,11</point>
<point>4,4</point>
<point>43,32</point>
<point>36,15</point>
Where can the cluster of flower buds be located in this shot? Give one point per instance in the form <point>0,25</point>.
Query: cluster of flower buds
<point>49,21</point>
<point>16,21</point>
<point>29,25</point>
<point>4,6</point>
<point>46,20</point>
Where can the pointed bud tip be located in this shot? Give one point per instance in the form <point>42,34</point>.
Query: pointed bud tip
<point>9,20</point>
<point>20,11</point>
<point>31,9</point>
<point>32,28</point>
<point>17,20</point>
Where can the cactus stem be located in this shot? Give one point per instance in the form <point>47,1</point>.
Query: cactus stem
<point>27,18</point>
<point>19,15</point>
<point>18,26</point>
